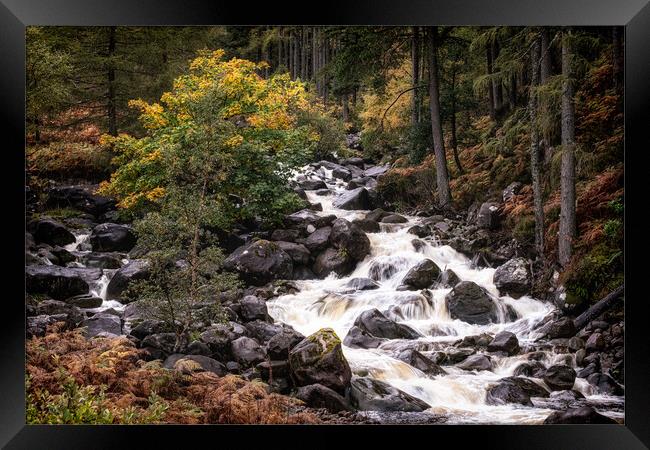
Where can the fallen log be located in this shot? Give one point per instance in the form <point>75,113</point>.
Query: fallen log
<point>600,307</point>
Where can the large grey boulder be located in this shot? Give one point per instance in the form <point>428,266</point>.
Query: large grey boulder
<point>375,323</point>
<point>58,282</point>
<point>471,303</point>
<point>422,275</point>
<point>137,269</point>
<point>318,359</point>
<point>112,237</point>
<point>348,237</point>
<point>51,232</point>
<point>514,390</point>
<point>369,394</point>
<point>333,260</point>
<point>513,278</point>
<point>353,199</point>
<point>259,262</point>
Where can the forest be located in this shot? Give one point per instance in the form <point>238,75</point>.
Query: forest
<point>299,224</point>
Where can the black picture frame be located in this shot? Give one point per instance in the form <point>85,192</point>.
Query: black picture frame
<point>15,15</point>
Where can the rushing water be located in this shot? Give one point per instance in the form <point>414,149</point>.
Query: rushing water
<point>459,395</point>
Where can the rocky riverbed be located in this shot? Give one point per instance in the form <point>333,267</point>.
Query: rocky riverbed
<point>366,315</point>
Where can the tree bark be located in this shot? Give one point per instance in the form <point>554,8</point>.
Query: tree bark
<point>442,177</point>
<point>452,120</point>
<point>415,64</point>
<point>535,163</point>
<point>567,174</point>
<point>513,91</point>
<point>111,109</point>
<point>600,307</point>
<point>545,69</point>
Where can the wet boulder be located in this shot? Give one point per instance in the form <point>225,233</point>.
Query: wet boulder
<point>312,185</point>
<point>376,215</point>
<point>333,260</point>
<point>513,278</point>
<point>112,237</point>
<point>393,218</point>
<point>367,225</point>
<point>375,171</point>
<point>380,270</point>
<point>504,341</point>
<point>102,324</point>
<point>419,231</point>
<point>302,220</point>
<point>560,328</point>
<point>353,199</point>
<point>476,362</point>
<point>319,396</point>
<point>585,414</point>
<point>82,198</point>
<point>101,260</point>
<point>318,359</point>
<point>319,239</point>
<point>378,325</point>
<point>514,390</point>
<point>422,275</point>
<point>148,327</point>
<point>279,346</point>
<point>50,232</point>
<point>298,252</point>
<point>85,301</point>
<point>471,303</point>
<point>560,377</point>
<point>71,314</point>
<point>530,369</point>
<point>285,235</point>
<point>253,308</point>
<point>247,351</point>
<point>57,282</point>
<point>358,338</point>
<point>416,359</point>
<point>605,384</point>
<point>354,161</point>
<point>137,269</point>
<point>448,278</point>
<point>349,238</point>
<point>513,189</point>
<point>368,394</point>
<point>489,216</point>
<point>595,342</point>
<point>260,262</point>
<point>188,364</point>
<point>362,284</point>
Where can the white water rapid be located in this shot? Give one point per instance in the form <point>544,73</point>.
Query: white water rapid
<point>459,395</point>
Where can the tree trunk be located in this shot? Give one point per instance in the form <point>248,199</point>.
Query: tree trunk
<point>568,176</point>
<point>442,177</point>
<point>535,163</point>
<point>280,55</point>
<point>490,90</point>
<point>600,307</point>
<point>346,111</point>
<point>415,63</point>
<point>111,110</point>
<point>452,120</point>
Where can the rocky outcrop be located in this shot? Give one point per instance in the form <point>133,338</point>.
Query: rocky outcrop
<point>259,262</point>
<point>585,414</point>
<point>82,198</point>
<point>319,396</point>
<point>247,351</point>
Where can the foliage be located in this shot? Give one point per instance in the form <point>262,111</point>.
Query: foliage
<point>103,380</point>
<point>64,160</point>
<point>409,187</point>
<point>236,133</point>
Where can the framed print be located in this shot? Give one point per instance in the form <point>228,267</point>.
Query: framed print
<point>377,219</point>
